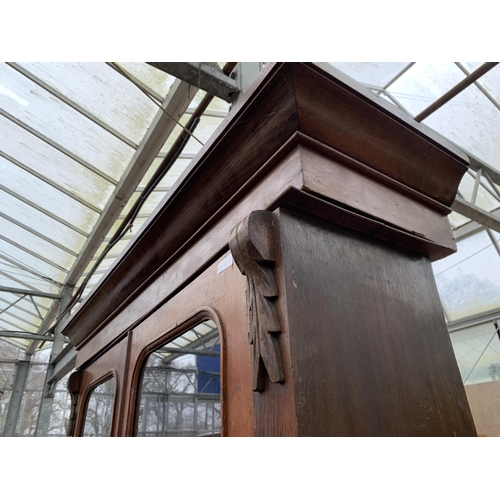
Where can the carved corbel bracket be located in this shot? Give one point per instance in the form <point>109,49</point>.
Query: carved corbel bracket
<point>252,246</point>
<point>74,385</point>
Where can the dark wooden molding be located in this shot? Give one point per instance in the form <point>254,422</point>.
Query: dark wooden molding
<point>252,246</point>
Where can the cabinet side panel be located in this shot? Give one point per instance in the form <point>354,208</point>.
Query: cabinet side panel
<point>371,355</point>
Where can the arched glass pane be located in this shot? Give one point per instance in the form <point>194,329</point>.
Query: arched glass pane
<point>100,410</point>
<point>180,389</point>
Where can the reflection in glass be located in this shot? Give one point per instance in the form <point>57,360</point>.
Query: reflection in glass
<point>100,410</point>
<point>180,393</point>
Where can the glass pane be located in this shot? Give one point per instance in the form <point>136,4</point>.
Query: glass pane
<point>180,389</point>
<point>9,354</point>
<point>484,199</point>
<point>467,281</point>
<point>424,83</point>
<point>99,412</point>
<point>477,350</point>
<point>46,114</point>
<point>31,217</point>
<point>374,73</point>
<point>490,81</point>
<point>40,266</point>
<point>31,241</point>
<point>61,408</point>
<point>457,220</point>
<point>103,92</point>
<point>47,197</point>
<point>471,121</point>
<point>32,397</point>
<point>153,78</point>
<point>36,154</point>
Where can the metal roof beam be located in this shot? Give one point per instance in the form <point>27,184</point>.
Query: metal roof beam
<point>201,75</point>
<point>176,102</point>
<point>49,317</point>
<point>64,363</point>
<point>472,227</point>
<point>33,293</point>
<point>16,306</point>
<point>15,334</point>
<point>486,219</point>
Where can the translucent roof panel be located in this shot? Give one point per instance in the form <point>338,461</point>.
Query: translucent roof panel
<point>457,220</point>
<point>485,197</point>
<point>39,265</point>
<point>373,73</point>
<point>490,81</point>
<point>424,83</point>
<point>152,78</point>
<point>22,306</point>
<point>28,151</point>
<point>15,209</point>
<point>101,91</point>
<point>28,240</point>
<point>44,195</point>
<point>47,115</point>
<point>471,120</point>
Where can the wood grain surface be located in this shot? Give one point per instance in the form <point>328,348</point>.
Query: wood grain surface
<point>370,351</point>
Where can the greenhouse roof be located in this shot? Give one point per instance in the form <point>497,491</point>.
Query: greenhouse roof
<point>79,143</point>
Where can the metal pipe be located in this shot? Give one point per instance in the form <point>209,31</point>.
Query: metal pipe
<point>469,80</point>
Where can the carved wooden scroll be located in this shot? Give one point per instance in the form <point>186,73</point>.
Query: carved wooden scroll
<point>74,384</point>
<point>252,246</point>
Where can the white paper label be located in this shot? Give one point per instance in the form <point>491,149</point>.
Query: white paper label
<point>225,263</point>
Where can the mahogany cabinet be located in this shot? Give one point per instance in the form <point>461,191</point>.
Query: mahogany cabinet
<point>303,234</point>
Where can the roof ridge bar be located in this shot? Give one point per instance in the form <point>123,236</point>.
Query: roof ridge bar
<point>71,104</point>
